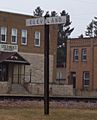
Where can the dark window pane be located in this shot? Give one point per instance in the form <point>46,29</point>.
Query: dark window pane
<point>13,38</point>
<point>36,41</point>
<point>23,40</point>
<point>3,37</point>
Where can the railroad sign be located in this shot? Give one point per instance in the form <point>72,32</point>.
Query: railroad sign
<point>35,21</point>
<point>48,21</point>
<point>55,20</point>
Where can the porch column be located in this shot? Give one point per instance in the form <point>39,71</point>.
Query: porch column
<point>12,73</point>
<point>24,74</point>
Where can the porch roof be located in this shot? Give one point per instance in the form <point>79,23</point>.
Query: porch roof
<point>12,57</point>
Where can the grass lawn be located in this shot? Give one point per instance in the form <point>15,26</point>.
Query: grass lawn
<point>55,114</point>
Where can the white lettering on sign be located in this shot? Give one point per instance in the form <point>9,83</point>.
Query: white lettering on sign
<point>48,20</point>
<point>8,47</point>
<point>35,21</point>
<point>55,20</point>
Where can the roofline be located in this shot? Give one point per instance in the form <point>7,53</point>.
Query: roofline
<point>16,13</point>
<point>82,38</point>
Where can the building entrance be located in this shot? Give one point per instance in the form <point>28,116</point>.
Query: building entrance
<point>73,79</point>
<point>16,73</point>
<point>12,67</point>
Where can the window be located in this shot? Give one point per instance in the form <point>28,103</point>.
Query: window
<point>59,76</point>
<point>24,37</point>
<point>75,54</point>
<point>37,39</point>
<point>14,35</point>
<point>86,79</point>
<point>3,34</point>
<point>3,72</point>
<point>84,54</point>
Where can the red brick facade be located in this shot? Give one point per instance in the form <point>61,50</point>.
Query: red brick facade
<point>82,63</point>
<point>15,35</point>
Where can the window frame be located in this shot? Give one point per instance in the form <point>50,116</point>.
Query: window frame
<point>37,38</point>
<point>84,54</point>
<point>59,75</point>
<point>12,35</point>
<point>75,54</point>
<point>23,31</point>
<point>3,32</point>
<point>85,79</point>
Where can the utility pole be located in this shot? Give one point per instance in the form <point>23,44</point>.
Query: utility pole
<point>46,21</point>
<point>46,68</point>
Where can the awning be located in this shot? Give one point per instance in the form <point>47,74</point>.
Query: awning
<point>12,57</point>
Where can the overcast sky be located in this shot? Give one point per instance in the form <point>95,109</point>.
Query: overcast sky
<point>81,11</point>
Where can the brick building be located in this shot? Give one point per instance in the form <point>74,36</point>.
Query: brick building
<point>22,57</point>
<point>22,51</point>
<point>82,65</point>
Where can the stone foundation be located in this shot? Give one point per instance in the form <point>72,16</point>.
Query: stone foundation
<point>85,93</point>
<point>54,90</point>
<point>4,88</point>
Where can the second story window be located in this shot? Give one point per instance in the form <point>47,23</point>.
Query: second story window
<point>84,54</point>
<point>3,34</point>
<point>14,35</point>
<point>24,37</point>
<point>37,39</point>
<point>75,54</point>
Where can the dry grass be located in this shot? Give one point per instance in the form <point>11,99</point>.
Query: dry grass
<point>55,114</point>
<point>33,110</point>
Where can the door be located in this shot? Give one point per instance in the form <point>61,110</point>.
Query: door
<point>73,79</point>
<point>15,73</point>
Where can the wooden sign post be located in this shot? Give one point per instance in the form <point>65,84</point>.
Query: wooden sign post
<point>46,21</point>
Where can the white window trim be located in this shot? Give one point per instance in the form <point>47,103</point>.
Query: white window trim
<point>5,33</point>
<point>25,37</point>
<point>84,53</point>
<point>75,54</point>
<point>37,45</point>
<point>85,79</point>
<point>12,35</point>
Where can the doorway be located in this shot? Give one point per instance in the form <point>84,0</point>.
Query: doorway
<point>16,73</point>
<point>73,79</point>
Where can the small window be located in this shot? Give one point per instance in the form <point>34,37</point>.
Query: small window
<point>14,35</point>
<point>86,79</point>
<point>24,37</point>
<point>37,39</point>
<point>84,54</point>
<point>59,76</point>
<point>75,54</point>
<point>3,34</point>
